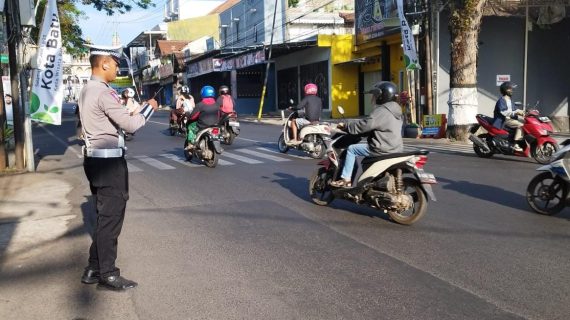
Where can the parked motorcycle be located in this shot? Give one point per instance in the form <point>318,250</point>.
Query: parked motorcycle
<point>547,192</point>
<point>206,147</point>
<point>537,141</point>
<point>394,183</point>
<point>230,128</point>
<point>313,135</point>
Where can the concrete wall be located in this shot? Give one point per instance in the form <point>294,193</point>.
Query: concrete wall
<point>501,51</point>
<point>194,28</point>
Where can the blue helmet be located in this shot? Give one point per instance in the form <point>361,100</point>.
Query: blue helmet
<point>207,92</point>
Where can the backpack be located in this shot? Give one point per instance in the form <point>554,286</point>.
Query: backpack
<point>227,104</point>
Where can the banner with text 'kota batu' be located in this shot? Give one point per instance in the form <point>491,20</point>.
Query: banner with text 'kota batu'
<point>47,81</point>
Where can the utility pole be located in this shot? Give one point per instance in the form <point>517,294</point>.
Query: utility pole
<point>268,63</point>
<point>14,37</point>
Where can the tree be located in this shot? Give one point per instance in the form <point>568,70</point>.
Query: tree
<point>464,27</point>
<point>69,16</point>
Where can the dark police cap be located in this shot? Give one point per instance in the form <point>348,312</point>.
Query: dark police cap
<point>114,51</point>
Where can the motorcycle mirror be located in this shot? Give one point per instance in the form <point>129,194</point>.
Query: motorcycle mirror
<point>340,110</point>
<point>291,101</point>
<point>518,103</point>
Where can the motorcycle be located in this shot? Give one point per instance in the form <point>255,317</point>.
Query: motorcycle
<point>206,147</point>
<point>313,135</point>
<point>547,192</point>
<point>537,141</point>
<point>181,129</point>
<point>230,129</point>
<point>394,183</point>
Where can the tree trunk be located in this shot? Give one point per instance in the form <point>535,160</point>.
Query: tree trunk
<point>464,28</point>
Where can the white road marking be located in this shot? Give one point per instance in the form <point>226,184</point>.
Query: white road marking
<point>223,162</point>
<point>68,147</point>
<point>240,158</point>
<point>262,155</point>
<point>132,168</point>
<point>179,159</point>
<point>276,151</point>
<point>256,141</point>
<point>154,163</point>
<point>166,124</point>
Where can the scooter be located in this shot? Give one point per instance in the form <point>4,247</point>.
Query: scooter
<point>537,141</point>
<point>206,147</point>
<point>313,136</point>
<point>547,192</point>
<point>230,128</point>
<point>394,183</point>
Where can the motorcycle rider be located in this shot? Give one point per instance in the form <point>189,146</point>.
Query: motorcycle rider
<point>205,114</point>
<point>383,125</point>
<point>128,97</point>
<point>224,95</point>
<point>311,106</point>
<point>506,114</point>
<point>184,103</point>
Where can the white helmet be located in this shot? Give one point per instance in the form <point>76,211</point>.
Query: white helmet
<point>130,93</point>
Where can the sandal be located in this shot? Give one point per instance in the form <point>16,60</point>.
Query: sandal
<point>341,183</point>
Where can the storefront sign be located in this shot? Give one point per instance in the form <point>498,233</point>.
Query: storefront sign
<point>434,125</point>
<point>375,19</point>
<point>243,61</point>
<point>203,67</point>
<point>503,78</point>
<point>410,55</point>
<point>165,71</point>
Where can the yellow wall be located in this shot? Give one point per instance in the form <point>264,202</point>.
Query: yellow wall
<point>194,28</point>
<point>344,77</point>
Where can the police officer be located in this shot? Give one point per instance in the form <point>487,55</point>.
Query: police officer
<point>103,117</point>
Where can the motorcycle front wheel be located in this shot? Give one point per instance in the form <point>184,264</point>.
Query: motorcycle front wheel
<point>413,188</point>
<point>173,129</point>
<point>230,139</point>
<point>546,194</point>
<point>319,188</point>
<point>480,152</point>
<point>281,145</point>
<point>320,149</point>
<point>543,153</point>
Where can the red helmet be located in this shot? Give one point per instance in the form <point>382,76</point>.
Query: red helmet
<point>311,88</point>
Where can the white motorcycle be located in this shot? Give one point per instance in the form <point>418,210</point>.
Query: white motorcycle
<point>313,136</point>
<point>394,183</point>
<point>547,193</point>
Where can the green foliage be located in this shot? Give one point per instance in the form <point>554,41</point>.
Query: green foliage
<point>7,132</point>
<point>293,3</point>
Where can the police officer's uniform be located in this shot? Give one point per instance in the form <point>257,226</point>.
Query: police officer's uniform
<point>102,117</point>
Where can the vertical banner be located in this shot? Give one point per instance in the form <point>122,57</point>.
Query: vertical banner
<point>410,54</point>
<point>47,82</point>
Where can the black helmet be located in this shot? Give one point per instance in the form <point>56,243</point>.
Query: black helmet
<point>224,90</point>
<point>507,88</point>
<point>385,91</point>
<point>185,90</point>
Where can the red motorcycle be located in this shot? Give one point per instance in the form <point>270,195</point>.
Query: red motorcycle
<point>536,142</point>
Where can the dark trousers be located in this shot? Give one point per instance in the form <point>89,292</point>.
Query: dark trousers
<point>109,183</point>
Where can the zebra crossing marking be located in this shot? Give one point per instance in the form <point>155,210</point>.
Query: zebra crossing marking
<point>241,158</point>
<point>290,155</point>
<point>154,163</point>
<point>132,168</point>
<point>223,162</point>
<point>179,159</point>
<point>262,155</point>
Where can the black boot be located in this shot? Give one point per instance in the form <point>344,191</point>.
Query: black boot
<point>90,276</point>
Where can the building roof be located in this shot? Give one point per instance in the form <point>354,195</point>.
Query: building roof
<point>170,46</point>
<point>224,6</point>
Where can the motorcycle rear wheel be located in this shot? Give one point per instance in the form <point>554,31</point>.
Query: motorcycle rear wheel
<point>187,154</point>
<point>230,139</point>
<point>546,194</point>
<point>413,188</point>
<point>480,152</point>
<point>211,163</point>
<point>319,188</point>
<point>320,144</point>
<point>281,145</point>
<point>543,153</point>
<point>173,129</point>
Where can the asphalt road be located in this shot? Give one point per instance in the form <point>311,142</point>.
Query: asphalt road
<point>244,241</point>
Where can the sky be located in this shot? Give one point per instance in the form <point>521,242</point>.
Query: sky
<point>99,27</point>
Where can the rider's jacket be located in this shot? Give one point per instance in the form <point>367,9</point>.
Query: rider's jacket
<point>312,107</point>
<point>504,108</point>
<point>384,125</point>
<point>206,113</point>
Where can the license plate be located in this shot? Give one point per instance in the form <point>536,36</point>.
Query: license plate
<point>234,124</point>
<point>426,177</point>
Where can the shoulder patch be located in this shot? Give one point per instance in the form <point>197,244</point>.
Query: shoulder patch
<point>115,95</point>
